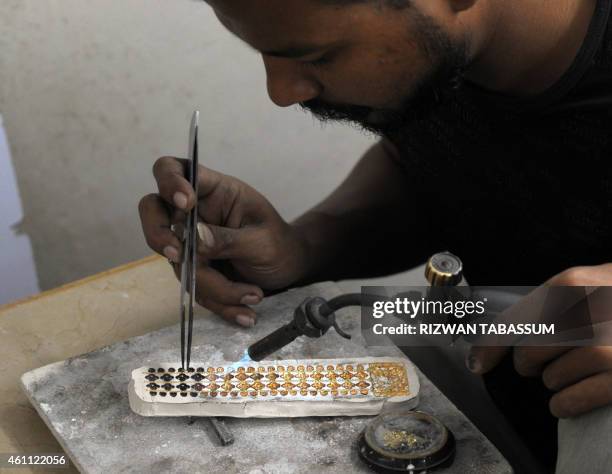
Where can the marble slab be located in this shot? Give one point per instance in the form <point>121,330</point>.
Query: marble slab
<point>84,401</point>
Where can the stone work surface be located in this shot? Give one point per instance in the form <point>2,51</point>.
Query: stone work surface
<point>84,402</point>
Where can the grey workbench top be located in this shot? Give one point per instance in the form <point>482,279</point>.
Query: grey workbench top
<point>84,402</point>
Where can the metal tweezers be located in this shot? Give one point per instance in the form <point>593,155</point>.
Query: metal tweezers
<point>188,271</point>
<point>188,268</point>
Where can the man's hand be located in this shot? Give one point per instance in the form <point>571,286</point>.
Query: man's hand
<point>244,246</point>
<point>581,376</point>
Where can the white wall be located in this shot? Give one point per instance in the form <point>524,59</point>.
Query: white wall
<point>93,91</point>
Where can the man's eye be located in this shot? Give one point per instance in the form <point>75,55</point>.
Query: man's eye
<point>323,60</point>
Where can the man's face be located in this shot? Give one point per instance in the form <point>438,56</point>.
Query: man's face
<point>367,63</point>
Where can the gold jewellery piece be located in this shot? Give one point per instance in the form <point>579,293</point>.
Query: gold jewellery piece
<point>312,381</point>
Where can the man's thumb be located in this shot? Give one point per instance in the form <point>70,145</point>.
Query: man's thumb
<point>218,242</point>
<point>481,359</point>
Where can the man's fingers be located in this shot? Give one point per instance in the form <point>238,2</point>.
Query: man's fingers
<point>596,275</point>
<point>212,285</point>
<point>177,224</point>
<point>582,397</point>
<point>481,359</point>
<point>226,298</point>
<point>241,315</point>
<point>174,187</point>
<point>223,297</point>
<point>216,242</point>
<point>156,227</point>
<point>576,365</point>
<point>529,361</point>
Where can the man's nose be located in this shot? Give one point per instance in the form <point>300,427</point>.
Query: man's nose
<point>287,85</point>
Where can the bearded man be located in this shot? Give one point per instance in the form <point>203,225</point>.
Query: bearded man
<point>494,116</point>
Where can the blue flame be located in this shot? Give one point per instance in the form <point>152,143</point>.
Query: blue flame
<point>246,358</point>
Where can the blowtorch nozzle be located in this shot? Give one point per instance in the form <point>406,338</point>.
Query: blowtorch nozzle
<point>312,319</point>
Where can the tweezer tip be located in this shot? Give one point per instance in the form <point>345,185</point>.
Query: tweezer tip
<point>195,118</point>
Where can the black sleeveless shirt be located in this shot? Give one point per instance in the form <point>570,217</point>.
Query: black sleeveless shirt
<point>520,189</point>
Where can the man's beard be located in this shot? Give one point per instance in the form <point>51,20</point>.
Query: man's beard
<point>436,88</point>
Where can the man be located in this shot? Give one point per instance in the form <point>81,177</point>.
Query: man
<point>495,116</point>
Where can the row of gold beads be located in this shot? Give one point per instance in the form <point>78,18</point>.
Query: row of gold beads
<point>289,368</point>
<point>284,393</point>
<point>288,376</point>
<point>288,388</point>
<point>288,373</point>
<point>315,371</point>
<point>258,386</point>
<point>317,385</point>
